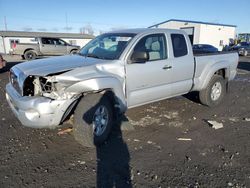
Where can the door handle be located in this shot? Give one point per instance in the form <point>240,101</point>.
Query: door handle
<point>166,67</point>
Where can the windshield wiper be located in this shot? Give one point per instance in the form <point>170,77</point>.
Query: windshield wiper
<point>92,55</point>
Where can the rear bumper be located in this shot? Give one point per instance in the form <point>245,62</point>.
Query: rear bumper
<point>37,112</point>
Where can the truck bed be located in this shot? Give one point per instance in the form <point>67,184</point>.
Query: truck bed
<point>207,64</point>
<point>21,47</point>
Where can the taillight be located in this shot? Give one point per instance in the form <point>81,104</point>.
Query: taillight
<point>13,45</point>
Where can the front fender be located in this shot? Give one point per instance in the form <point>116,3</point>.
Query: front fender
<point>102,83</point>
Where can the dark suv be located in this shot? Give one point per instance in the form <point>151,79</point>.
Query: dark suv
<point>204,48</point>
<point>243,48</point>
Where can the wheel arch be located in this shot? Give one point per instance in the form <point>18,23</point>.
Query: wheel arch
<point>74,49</point>
<point>221,68</point>
<point>101,85</point>
<point>108,86</point>
<point>71,108</point>
<point>221,72</point>
<point>30,49</point>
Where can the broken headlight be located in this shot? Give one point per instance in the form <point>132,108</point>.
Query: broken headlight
<point>37,86</point>
<point>14,81</point>
<point>17,78</point>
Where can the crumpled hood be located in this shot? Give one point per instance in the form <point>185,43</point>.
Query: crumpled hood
<point>46,66</point>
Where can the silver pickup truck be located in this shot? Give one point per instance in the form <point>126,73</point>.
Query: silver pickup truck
<point>112,73</point>
<point>43,46</point>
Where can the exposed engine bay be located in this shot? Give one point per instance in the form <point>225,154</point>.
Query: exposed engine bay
<point>45,86</point>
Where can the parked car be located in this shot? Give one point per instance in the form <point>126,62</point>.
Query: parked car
<point>204,48</point>
<point>112,73</point>
<point>44,46</point>
<point>242,48</point>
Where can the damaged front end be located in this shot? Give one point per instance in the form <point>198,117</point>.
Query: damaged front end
<point>44,98</point>
<point>47,87</point>
<point>39,101</point>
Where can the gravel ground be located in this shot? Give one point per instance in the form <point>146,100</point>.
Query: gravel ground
<point>172,145</point>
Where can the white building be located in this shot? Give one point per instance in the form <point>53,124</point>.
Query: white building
<point>215,34</point>
<point>7,38</point>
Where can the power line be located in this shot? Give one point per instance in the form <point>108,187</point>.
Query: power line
<point>75,21</point>
<point>66,17</point>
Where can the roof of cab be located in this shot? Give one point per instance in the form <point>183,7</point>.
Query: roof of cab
<point>147,30</point>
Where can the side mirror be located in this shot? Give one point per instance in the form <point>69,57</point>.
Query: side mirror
<point>139,57</point>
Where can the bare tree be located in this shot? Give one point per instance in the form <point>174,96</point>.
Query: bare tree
<point>87,29</point>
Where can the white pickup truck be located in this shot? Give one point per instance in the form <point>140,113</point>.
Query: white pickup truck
<point>112,73</point>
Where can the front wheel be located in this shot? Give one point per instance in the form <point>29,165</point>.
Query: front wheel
<point>213,94</point>
<point>93,120</point>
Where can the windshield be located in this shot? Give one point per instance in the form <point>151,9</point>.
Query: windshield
<point>107,46</point>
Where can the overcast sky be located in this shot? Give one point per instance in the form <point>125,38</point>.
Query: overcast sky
<point>105,15</point>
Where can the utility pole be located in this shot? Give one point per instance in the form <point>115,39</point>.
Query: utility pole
<point>66,16</point>
<point>5,23</point>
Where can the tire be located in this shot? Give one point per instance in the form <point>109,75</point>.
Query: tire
<point>73,51</point>
<point>93,120</point>
<point>30,55</point>
<point>214,93</point>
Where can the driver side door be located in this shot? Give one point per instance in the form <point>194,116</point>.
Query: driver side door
<point>151,80</point>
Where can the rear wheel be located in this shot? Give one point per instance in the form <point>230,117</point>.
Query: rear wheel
<point>93,120</point>
<point>73,51</point>
<point>30,55</point>
<point>213,94</point>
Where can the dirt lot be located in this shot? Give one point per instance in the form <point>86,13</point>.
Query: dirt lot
<point>172,144</point>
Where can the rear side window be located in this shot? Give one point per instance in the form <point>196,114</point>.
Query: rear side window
<point>179,45</point>
<point>47,41</point>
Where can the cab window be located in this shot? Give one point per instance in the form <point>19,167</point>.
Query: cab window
<point>154,45</point>
<point>179,45</point>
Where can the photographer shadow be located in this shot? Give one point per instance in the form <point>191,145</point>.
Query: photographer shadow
<point>8,67</point>
<point>113,159</point>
